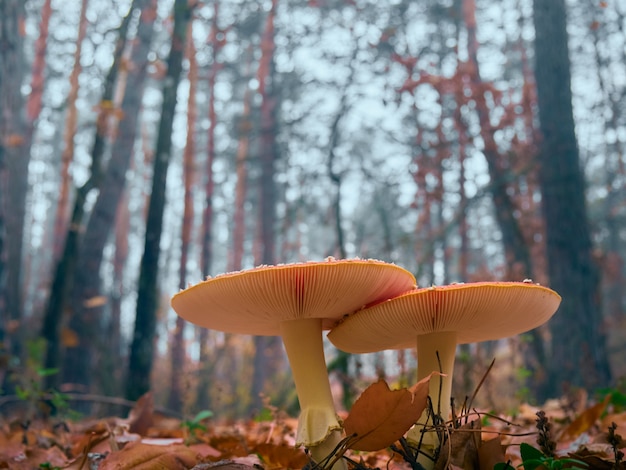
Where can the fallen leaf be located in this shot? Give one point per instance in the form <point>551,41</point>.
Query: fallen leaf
<point>381,416</point>
<point>281,456</point>
<point>490,453</point>
<point>141,416</point>
<point>205,451</point>
<point>34,457</point>
<point>598,457</point>
<point>139,456</point>
<point>584,421</point>
<point>230,446</point>
<point>93,435</point>
<point>461,449</point>
<point>618,418</point>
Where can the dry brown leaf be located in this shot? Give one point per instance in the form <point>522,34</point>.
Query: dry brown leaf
<point>32,458</point>
<point>206,452</point>
<point>280,456</point>
<point>139,456</point>
<point>461,448</point>
<point>618,418</point>
<point>490,453</point>
<point>230,446</point>
<point>584,421</point>
<point>85,442</point>
<point>141,417</point>
<point>597,457</point>
<point>381,416</point>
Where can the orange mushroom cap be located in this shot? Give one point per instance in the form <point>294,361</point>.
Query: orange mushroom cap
<point>255,301</point>
<point>476,312</point>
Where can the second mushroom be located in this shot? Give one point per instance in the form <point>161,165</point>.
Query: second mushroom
<point>436,319</point>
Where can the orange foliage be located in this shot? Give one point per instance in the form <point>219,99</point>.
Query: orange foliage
<point>147,439</point>
<point>381,416</point>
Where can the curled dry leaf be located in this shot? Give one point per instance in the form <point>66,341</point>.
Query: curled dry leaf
<point>381,416</point>
<point>141,417</point>
<point>281,456</point>
<point>139,456</point>
<point>584,421</point>
<point>490,453</point>
<point>461,449</point>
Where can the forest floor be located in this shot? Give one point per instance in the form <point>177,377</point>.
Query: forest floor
<point>571,432</point>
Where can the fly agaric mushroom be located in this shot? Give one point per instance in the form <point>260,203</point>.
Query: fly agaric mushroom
<point>296,301</point>
<point>439,318</point>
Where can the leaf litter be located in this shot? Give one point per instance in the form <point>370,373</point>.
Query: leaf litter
<point>475,439</point>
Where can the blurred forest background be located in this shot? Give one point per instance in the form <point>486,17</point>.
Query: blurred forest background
<point>147,144</point>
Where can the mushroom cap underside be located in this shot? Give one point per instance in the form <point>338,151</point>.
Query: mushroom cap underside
<point>477,312</point>
<point>255,301</point>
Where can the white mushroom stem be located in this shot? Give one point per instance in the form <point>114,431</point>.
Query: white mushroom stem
<point>318,427</point>
<point>428,346</point>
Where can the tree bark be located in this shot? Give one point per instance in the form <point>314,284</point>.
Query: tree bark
<point>14,158</point>
<point>203,400</point>
<point>267,347</point>
<point>517,253</point>
<point>579,355</point>
<point>66,267</point>
<point>62,219</point>
<point>176,396</point>
<point>142,347</point>
<point>87,315</point>
<point>241,189</point>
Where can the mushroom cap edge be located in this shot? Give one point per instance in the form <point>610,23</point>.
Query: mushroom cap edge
<point>254,301</point>
<point>479,311</point>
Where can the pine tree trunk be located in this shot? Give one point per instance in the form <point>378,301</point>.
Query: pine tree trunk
<point>517,253</point>
<point>65,274</point>
<point>203,400</point>
<point>241,189</point>
<point>176,396</point>
<point>14,158</point>
<point>86,319</point>
<point>142,347</point>
<point>88,313</point>
<point>268,349</point>
<point>63,211</point>
<point>579,355</point>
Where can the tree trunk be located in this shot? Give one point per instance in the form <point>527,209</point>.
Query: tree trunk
<point>241,189</point>
<point>267,347</point>
<point>87,316</point>
<point>110,363</point>
<point>65,270</point>
<point>203,400</point>
<point>517,253</point>
<point>87,305</point>
<point>579,355</point>
<point>67,155</point>
<point>176,396</point>
<point>14,158</point>
<point>142,347</point>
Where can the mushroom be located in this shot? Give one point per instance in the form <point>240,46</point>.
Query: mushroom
<point>439,318</point>
<point>296,301</point>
